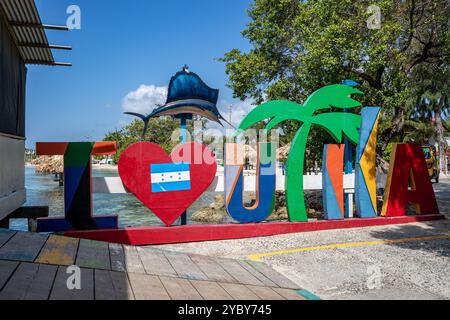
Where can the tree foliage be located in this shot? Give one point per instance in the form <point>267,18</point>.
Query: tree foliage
<point>159,131</point>
<point>431,108</point>
<point>300,46</point>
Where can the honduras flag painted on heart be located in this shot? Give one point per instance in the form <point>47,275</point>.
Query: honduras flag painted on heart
<point>166,177</point>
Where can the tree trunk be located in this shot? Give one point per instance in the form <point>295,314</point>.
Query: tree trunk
<point>393,131</point>
<point>441,139</point>
<point>382,165</point>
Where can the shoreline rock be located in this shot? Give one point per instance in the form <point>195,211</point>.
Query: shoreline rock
<point>214,213</point>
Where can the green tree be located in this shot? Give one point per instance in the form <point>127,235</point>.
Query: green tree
<point>159,131</point>
<point>418,132</point>
<point>315,111</point>
<point>431,108</point>
<point>299,46</point>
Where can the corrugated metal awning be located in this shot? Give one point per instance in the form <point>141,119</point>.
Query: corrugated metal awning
<point>28,32</point>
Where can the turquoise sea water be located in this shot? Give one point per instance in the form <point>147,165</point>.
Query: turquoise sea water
<point>43,190</point>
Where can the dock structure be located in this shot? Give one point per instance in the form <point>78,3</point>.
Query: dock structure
<point>36,267</point>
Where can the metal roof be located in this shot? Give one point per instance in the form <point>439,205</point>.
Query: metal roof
<point>27,30</point>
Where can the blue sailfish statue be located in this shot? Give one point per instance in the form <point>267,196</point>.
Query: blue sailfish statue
<point>187,95</point>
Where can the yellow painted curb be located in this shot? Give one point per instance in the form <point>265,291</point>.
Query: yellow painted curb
<point>258,256</point>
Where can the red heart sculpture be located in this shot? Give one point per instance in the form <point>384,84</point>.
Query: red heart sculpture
<point>165,196</point>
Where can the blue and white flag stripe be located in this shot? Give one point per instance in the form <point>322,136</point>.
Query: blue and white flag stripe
<point>169,167</point>
<point>170,177</point>
<point>171,186</point>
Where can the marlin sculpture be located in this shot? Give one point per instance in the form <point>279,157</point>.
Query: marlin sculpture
<point>187,95</point>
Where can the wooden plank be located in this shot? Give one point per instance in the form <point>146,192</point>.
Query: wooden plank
<point>5,235</point>
<point>184,266</point>
<point>112,285</point>
<point>238,272</point>
<point>30,212</point>
<point>155,262</point>
<point>147,287</point>
<point>239,291</point>
<point>132,260</point>
<point>289,294</point>
<point>273,275</point>
<point>6,270</point>
<point>258,275</point>
<point>60,290</point>
<point>23,247</point>
<point>93,254</point>
<point>211,290</point>
<point>31,281</point>
<point>266,293</point>
<point>180,289</point>
<point>59,250</point>
<point>117,257</point>
<point>42,283</point>
<point>212,269</point>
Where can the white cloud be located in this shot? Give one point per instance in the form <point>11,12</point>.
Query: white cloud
<point>144,99</point>
<point>238,110</point>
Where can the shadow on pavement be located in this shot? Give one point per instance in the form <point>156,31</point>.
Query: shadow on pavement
<point>439,246</point>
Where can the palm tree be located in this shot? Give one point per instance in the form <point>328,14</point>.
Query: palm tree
<point>418,132</point>
<point>337,124</point>
<point>429,102</point>
<point>431,110</point>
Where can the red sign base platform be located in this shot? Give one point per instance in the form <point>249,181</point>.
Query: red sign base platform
<point>140,236</point>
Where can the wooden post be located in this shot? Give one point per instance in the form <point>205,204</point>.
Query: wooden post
<point>61,179</point>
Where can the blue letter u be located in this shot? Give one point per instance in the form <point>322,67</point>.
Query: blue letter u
<point>265,183</point>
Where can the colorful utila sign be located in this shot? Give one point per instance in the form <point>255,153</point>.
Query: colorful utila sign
<point>169,184</point>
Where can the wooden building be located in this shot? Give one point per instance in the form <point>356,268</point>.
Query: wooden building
<point>22,41</point>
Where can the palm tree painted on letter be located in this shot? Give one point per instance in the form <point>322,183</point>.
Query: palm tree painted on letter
<point>337,124</point>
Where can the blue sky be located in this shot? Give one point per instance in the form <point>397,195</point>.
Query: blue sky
<point>123,57</point>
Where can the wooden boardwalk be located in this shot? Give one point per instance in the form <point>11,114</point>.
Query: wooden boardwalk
<point>34,267</point>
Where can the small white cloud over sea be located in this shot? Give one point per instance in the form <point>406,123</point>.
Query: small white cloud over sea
<point>144,99</point>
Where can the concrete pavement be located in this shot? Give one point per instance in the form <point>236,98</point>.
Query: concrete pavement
<point>357,263</point>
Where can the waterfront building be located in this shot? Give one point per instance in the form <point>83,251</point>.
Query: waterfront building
<point>22,42</point>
